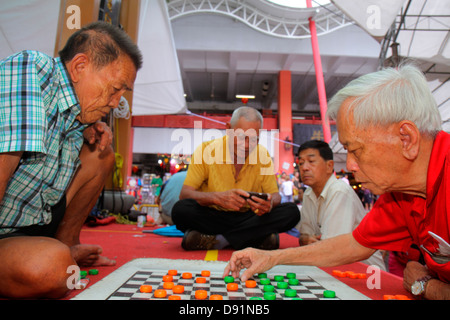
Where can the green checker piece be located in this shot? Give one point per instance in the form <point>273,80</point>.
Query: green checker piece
<point>262,275</point>
<point>329,294</point>
<point>268,288</point>
<point>282,285</point>
<point>270,296</point>
<point>255,298</point>
<point>293,282</point>
<point>278,278</point>
<point>228,279</point>
<point>264,281</point>
<point>290,293</point>
<point>291,275</point>
<point>93,271</point>
<point>83,274</point>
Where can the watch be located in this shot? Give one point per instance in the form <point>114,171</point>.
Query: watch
<point>418,287</point>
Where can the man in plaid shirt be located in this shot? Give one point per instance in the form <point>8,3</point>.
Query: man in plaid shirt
<point>55,155</point>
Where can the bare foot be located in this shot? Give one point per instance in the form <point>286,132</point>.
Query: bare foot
<point>87,255</point>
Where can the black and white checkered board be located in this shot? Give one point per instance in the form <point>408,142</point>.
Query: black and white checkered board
<point>124,283</point>
<point>307,289</point>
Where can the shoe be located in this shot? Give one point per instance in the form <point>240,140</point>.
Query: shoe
<point>272,242</point>
<point>194,240</point>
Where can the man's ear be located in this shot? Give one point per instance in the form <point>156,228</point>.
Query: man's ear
<point>77,66</point>
<point>410,138</point>
<point>330,166</point>
<point>228,125</point>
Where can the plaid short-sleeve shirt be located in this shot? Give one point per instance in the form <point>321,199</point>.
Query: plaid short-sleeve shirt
<point>38,107</point>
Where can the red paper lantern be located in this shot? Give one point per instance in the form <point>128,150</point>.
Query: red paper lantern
<point>244,100</point>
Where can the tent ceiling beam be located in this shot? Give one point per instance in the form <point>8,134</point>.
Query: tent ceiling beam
<point>252,13</point>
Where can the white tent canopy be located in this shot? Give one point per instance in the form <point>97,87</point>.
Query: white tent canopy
<point>158,88</point>
<point>32,25</point>
<point>28,25</point>
<point>422,30</point>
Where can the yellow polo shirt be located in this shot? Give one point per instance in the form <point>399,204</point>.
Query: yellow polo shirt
<point>212,169</point>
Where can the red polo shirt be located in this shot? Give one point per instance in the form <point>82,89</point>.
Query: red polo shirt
<point>398,220</point>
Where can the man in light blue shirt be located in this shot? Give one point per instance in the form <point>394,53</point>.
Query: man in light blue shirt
<point>170,194</point>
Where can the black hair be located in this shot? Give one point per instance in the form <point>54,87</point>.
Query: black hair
<point>324,149</point>
<point>103,42</point>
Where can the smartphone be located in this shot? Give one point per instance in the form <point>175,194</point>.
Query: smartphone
<point>263,196</point>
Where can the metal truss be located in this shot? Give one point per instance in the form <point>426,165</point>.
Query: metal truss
<point>275,23</point>
<point>413,22</point>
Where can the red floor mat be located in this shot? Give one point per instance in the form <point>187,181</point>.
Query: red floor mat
<point>127,242</point>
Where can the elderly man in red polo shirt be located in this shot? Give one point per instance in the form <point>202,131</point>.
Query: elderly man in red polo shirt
<point>390,126</point>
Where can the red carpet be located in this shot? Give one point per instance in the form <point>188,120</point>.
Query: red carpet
<point>127,242</point>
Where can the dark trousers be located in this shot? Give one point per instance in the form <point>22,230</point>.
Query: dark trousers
<point>46,230</point>
<point>241,229</point>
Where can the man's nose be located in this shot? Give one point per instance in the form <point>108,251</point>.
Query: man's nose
<point>352,165</point>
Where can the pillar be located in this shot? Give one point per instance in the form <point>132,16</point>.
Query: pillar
<point>319,78</point>
<point>285,155</point>
<point>123,134</point>
<point>73,15</point>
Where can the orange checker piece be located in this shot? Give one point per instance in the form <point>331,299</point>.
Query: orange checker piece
<point>232,286</point>
<point>206,273</point>
<point>338,273</point>
<point>186,275</point>
<point>401,297</point>
<point>200,280</point>
<point>395,297</point>
<point>145,288</point>
<point>172,272</point>
<point>168,285</point>
<point>178,289</point>
<point>174,297</point>
<point>250,283</point>
<point>215,297</point>
<point>201,294</point>
<point>167,278</point>
<point>348,274</point>
<point>160,293</point>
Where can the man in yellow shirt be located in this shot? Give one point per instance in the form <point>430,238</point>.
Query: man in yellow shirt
<point>215,208</point>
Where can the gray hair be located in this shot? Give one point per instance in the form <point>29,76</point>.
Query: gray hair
<point>250,114</point>
<point>389,96</point>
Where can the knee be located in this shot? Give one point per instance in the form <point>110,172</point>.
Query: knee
<point>100,162</point>
<point>107,159</point>
<point>177,209</point>
<point>46,274</point>
<point>291,212</point>
<point>180,208</point>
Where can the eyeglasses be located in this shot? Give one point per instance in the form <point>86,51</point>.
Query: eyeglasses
<point>436,257</point>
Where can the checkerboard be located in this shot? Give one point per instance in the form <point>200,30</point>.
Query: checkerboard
<point>124,283</point>
<point>307,288</point>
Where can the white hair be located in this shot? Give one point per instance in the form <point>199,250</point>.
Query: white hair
<point>248,113</point>
<point>389,96</point>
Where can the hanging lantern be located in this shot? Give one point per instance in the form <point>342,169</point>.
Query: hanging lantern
<point>244,100</point>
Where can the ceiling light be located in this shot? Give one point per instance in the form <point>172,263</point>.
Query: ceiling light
<point>240,96</point>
